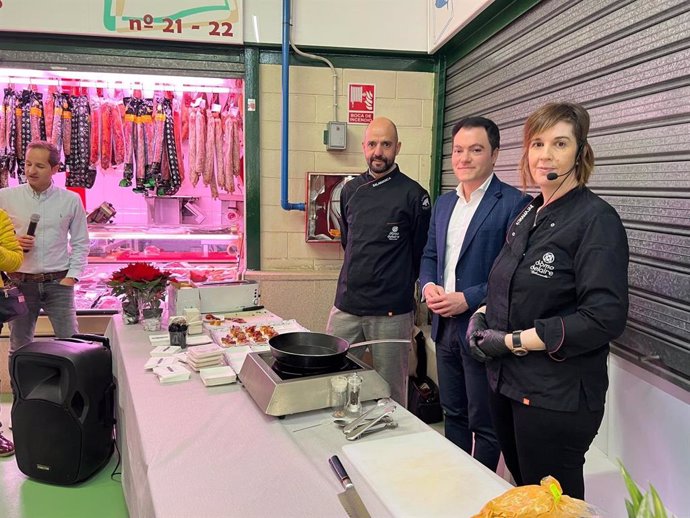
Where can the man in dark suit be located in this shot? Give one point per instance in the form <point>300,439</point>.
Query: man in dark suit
<point>467,231</point>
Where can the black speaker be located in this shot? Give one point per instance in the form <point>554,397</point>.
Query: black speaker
<point>62,415</point>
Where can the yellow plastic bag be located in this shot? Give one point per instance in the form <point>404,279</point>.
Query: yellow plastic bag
<point>543,501</point>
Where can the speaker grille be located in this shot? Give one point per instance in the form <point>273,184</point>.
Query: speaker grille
<point>47,440</point>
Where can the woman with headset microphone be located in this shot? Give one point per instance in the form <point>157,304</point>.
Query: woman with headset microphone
<point>557,294</point>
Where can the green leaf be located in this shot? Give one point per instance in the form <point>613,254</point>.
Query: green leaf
<point>659,509</point>
<point>630,508</point>
<point>645,510</point>
<point>633,490</point>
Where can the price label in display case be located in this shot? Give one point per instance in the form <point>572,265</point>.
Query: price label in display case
<point>212,21</point>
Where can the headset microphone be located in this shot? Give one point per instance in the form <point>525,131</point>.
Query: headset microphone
<point>555,176</point>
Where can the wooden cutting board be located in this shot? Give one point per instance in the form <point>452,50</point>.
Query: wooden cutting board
<point>424,475</point>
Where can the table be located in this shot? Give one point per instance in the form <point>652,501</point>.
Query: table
<point>189,450</point>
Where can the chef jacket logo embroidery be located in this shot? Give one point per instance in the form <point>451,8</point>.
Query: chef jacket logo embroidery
<point>542,267</point>
<point>524,214</point>
<point>376,184</point>
<point>394,235</point>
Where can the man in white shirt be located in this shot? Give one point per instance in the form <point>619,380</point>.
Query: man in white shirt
<point>467,231</point>
<point>55,257</point>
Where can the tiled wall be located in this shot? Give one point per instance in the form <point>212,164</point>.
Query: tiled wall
<point>404,97</point>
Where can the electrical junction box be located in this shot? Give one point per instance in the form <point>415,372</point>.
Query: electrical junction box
<point>335,136</point>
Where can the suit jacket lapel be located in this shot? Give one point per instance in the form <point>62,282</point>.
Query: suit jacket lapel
<point>445,212</point>
<point>490,198</point>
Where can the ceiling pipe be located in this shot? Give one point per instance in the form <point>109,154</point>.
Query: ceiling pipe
<point>284,203</point>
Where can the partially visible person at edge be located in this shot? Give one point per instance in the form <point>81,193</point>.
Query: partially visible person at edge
<point>468,229</point>
<point>557,294</point>
<point>384,222</point>
<point>56,256</point>
<point>10,259</point>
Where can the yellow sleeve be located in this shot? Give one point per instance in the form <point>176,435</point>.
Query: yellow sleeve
<point>11,255</point>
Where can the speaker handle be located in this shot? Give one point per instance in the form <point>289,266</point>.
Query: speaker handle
<point>108,406</point>
<point>89,338</point>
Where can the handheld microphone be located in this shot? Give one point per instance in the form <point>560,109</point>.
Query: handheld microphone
<point>33,223</point>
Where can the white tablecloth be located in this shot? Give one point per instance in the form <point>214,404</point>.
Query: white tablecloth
<point>189,450</point>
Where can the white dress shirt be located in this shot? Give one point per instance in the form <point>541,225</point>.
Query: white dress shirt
<point>463,212</point>
<point>63,221</point>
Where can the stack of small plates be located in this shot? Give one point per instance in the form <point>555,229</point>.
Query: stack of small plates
<point>203,356</point>
<point>171,373</point>
<point>212,376</point>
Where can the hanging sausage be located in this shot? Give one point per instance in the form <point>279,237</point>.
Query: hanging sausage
<point>8,157</point>
<point>48,109</point>
<point>200,128</point>
<point>105,114</point>
<point>227,152</point>
<point>156,144</point>
<point>129,142</point>
<point>140,149</point>
<point>170,179</point>
<point>56,132</point>
<point>147,120</point>
<point>220,157</point>
<point>177,129</point>
<point>193,174</point>
<point>36,120</point>
<point>66,132</point>
<point>95,153</point>
<point>117,133</point>
<point>79,173</point>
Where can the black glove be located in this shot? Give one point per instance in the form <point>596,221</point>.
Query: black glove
<point>475,351</point>
<point>476,324</point>
<point>491,343</point>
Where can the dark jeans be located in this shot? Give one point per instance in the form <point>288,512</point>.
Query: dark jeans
<point>464,392</point>
<point>537,442</point>
<point>58,303</point>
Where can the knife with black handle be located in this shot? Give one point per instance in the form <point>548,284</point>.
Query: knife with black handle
<point>350,499</point>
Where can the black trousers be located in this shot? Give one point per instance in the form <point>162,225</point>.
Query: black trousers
<point>537,442</point>
<point>464,391</point>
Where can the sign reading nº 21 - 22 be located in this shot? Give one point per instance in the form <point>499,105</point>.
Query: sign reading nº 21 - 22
<point>212,21</point>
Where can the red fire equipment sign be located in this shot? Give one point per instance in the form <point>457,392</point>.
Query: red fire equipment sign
<point>361,103</point>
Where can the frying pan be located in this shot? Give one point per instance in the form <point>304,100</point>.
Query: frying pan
<point>313,352</point>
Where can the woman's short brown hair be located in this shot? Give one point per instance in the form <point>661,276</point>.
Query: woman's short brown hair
<point>548,116</point>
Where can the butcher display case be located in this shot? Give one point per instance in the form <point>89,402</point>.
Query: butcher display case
<point>191,253</point>
<point>158,162</point>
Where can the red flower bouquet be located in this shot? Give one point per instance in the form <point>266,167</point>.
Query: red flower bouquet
<point>142,283</point>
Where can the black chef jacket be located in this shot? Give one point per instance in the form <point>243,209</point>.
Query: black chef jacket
<point>384,225</point>
<point>563,271</point>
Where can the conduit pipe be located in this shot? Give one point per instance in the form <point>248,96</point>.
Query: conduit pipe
<point>284,203</point>
<point>333,71</point>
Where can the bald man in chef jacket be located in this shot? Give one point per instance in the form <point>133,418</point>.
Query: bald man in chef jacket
<point>384,219</point>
